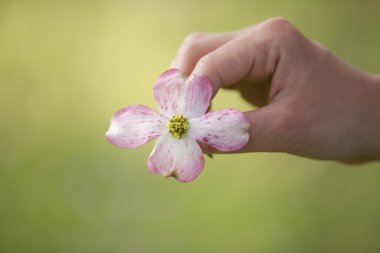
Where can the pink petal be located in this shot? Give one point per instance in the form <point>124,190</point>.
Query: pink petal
<point>196,98</point>
<point>180,158</point>
<point>177,94</point>
<point>167,89</point>
<point>135,125</point>
<point>224,130</point>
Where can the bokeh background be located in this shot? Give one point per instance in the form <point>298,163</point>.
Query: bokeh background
<point>67,66</point>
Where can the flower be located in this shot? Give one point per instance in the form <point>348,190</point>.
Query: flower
<point>179,125</point>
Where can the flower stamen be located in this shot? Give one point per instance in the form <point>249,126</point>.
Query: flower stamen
<point>178,126</point>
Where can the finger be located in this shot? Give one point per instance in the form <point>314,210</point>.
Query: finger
<point>195,46</point>
<point>250,56</point>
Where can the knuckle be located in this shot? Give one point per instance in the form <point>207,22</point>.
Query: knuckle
<point>286,120</point>
<point>191,45</point>
<point>205,61</point>
<point>287,125</point>
<point>276,22</point>
<point>194,37</point>
<point>296,127</point>
<point>279,29</point>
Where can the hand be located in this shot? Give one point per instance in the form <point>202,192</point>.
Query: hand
<point>310,103</point>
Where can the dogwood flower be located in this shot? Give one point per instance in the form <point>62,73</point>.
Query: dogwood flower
<point>182,122</point>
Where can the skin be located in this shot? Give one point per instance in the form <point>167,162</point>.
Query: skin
<point>309,102</point>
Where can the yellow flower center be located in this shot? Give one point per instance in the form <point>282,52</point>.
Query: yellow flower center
<point>178,126</point>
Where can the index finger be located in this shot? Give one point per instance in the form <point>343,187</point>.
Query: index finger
<point>195,46</point>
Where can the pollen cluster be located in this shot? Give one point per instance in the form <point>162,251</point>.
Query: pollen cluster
<point>178,126</point>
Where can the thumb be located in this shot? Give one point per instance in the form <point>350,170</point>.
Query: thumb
<point>270,131</point>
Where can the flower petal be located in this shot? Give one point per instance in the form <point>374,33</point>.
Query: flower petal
<point>224,130</point>
<point>196,98</point>
<point>180,158</point>
<point>135,125</point>
<point>177,94</point>
<point>167,90</point>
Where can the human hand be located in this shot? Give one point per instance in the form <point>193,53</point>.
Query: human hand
<point>310,103</point>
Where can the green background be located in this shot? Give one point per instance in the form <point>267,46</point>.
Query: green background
<point>67,66</point>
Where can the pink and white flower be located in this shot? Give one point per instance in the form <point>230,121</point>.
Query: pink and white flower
<point>182,122</point>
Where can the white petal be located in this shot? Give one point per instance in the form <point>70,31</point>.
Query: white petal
<point>224,130</point>
<point>167,89</point>
<point>180,158</point>
<point>177,94</point>
<point>135,125</point>
<point>196,97</point>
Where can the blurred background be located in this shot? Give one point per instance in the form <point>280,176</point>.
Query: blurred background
<point>67,66</point>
